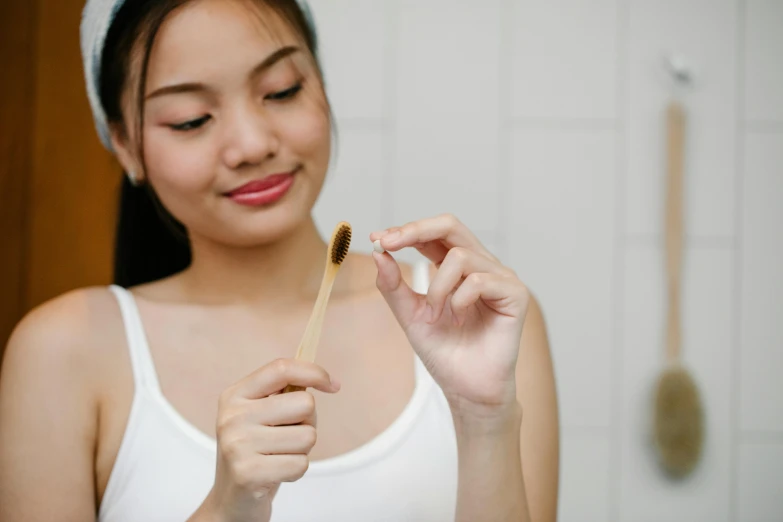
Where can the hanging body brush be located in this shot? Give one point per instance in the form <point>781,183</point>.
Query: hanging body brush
<point>678,422</point>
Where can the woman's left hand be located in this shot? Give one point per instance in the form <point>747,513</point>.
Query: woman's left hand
<point>467,329</point>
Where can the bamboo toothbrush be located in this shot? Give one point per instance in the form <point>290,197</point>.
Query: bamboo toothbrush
<point>335,255</point>
<point>678,423</point>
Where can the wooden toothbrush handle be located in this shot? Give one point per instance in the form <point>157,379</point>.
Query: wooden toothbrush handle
<point>674,225</point>
<point>312,334</point>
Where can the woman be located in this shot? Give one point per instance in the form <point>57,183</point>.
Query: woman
<point>161,402</point>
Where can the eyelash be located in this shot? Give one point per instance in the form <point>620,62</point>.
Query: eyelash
<point>191,125</point>
<point>195,124</point>
<point>286,94</point>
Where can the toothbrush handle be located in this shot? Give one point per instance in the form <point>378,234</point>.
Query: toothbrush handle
<point>309,343</point>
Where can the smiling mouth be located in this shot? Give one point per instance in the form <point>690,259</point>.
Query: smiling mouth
<point>264,191</point>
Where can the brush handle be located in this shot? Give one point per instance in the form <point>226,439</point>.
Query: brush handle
<point>674,225</point>
<point>312,334</point>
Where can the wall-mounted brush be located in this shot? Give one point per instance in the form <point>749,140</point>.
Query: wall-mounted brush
<point>678,416</point>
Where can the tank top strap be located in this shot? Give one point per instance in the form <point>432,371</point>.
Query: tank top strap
<point>144,374</point>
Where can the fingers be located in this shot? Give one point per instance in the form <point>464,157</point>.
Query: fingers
<point>433,237</point>
<point>405,304</point>
<point>265,437</point>
<point>287,440</point>
<point>266,440</point>
<point>258,472</point>
<point>279,440</point>
<point>275,376</point>
<point>279,428</point>
<point>281,410</point>
<point>503,294</point>
<point>458,264</point>
<point>457,254</point>
<point>381,233</point>
<point>238,405</point>
<point>287,468</point>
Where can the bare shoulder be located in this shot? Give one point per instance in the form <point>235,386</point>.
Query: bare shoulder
<point>534,331</point>
<point>537,394</point>
<point>49,400</point>
<point>64,334</point>
<point>535,367</point>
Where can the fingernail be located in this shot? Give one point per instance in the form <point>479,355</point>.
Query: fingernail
<point>391,238</point>
<point>335,384</point>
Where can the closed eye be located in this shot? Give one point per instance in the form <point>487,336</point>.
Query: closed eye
<point>286,94</point>
<point>191,125</point>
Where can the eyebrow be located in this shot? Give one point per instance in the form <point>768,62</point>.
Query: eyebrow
<point>265,65</point>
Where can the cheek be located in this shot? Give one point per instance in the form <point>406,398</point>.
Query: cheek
<point>308,135</point>
<point>173,165</point>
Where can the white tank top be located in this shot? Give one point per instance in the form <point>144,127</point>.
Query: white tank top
<point>166,466</point>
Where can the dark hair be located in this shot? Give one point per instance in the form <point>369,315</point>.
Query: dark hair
<point>150,243</point>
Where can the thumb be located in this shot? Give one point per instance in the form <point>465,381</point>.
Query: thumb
<point>405,304</point>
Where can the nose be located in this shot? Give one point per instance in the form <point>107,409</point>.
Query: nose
<point>250,138</point>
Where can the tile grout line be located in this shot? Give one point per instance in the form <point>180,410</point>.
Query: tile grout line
<point>762,126</point>
<point>502,235</point>
<point>563,124</point>
<point>761,437</point>
<point>364,123</point>
<point>584,430</point>
<point>741,10</point>
<point>621,161</point>
<point>692,242</point>
<point>391,143</point>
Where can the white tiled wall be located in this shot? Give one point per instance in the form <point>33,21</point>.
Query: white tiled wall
<point>706,33</point>
<point>561,217</point>
<point>760,383</point>
<point>540,124</point>
<point>645,495</point>
<point>557,46</point>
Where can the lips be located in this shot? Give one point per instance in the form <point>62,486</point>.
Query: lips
<point>262,192</point>
<point>261,185</point>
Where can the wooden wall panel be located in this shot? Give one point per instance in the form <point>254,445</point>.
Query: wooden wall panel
<point>17,101</point>
<point>58,186</point>
<point>74,180</point>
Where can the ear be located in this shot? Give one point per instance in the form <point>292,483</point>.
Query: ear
<point>126,152</point>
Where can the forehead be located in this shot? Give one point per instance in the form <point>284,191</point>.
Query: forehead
<point>208,38</point>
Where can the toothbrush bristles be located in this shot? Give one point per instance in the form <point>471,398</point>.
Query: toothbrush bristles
<point>341,244</point>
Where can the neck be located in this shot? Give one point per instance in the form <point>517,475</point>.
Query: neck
<point>284,272</point>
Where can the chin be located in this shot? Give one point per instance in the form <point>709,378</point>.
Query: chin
<point>245,226</point>
<point>271,225</point>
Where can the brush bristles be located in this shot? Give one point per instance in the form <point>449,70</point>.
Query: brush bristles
<point>678,422</point>
<point>341,244</point>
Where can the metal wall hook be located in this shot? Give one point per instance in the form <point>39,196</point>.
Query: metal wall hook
<point>679,69</point>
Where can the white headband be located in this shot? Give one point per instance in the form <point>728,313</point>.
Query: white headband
<point>97,18</point>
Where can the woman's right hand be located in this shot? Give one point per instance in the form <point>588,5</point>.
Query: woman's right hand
<point>263,438</point>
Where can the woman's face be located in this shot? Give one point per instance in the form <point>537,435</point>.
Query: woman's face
<point>236,123</point>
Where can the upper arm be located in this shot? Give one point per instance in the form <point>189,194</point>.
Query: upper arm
<point>48,417</point>
<point>537,394</point>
